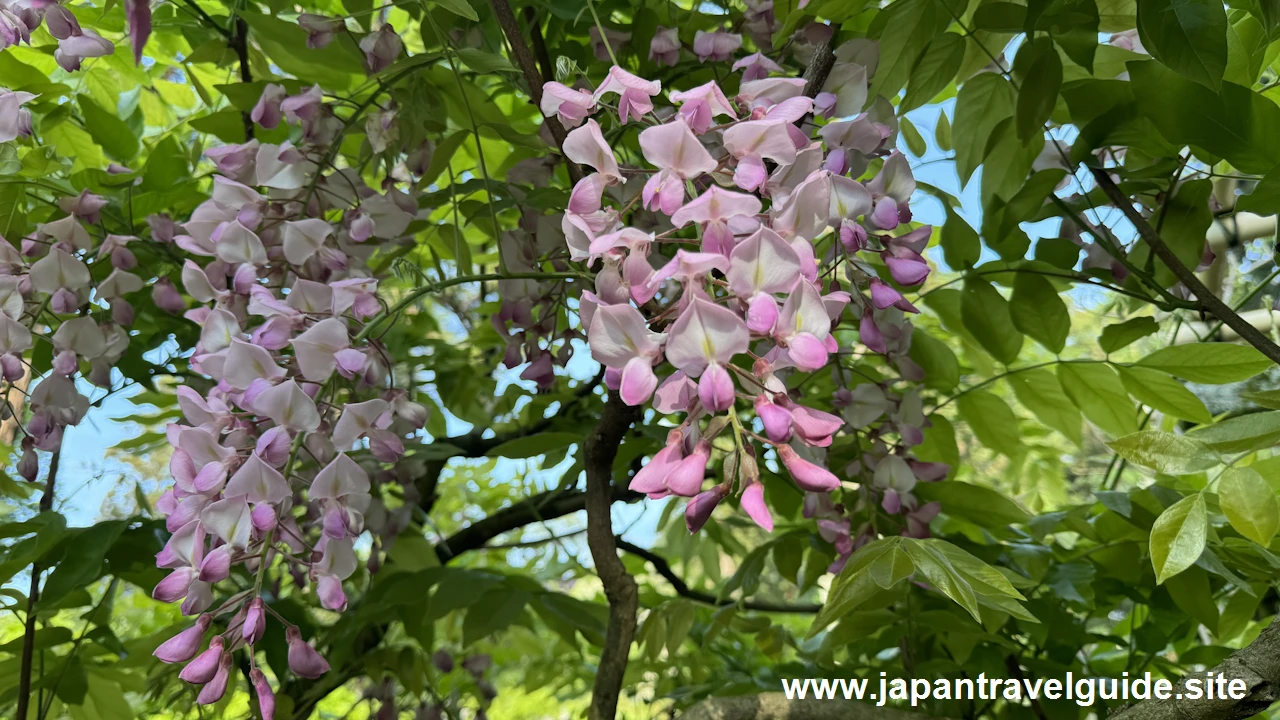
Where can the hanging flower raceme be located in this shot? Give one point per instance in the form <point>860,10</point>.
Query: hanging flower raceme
<point>717,330</point>
<point>286,308</point>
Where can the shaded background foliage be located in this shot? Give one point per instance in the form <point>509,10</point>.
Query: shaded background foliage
<point>1075,471</point>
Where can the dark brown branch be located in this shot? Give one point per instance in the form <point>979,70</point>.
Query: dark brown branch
<point>239,41</point>
<point>539,44</point>
<point>664,569</point>
<point>599,451</point>
<point>544,506</point>
<point>1207,299</point>
<point>532,77</point>
<point>776,706</point>
<point>33,597</point>
<point>815,75</point>
<point>1258,664</point>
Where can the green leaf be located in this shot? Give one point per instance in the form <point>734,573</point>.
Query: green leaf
<point>891,568</point>
<point>1119,335</point>
<point>1178,537</point>
<point>1191,593</point>
<point>85,564</point>
<point>1097,391</point>
<point>1241,434</point>
<point>108,130</point>
<point>483,62</point>
<point>910,26</point>
<point>13,209</point>
<point>1265,198</point>
<point>992,421</point>
<point>1236,124</point>
<point>941,368</point>
<point>934,71</point>
<point>444,155</point>
<point>458,7</point>
<point>494,611</point>
<point>935,567</point>
<point>1187,218</point>
<point>1040,69</point>
<point>983,102</point>
<point>854,585</point>
<point>1165,452</point>
<point>961,248</point>
<point>1265,398</point>
<point>942,132</point>
<point>986,314</point>
<point>1041,393</point>
<point>1039,312</point>
<point>1189,36</point>
<point>939,442</point>
<point>915,142</point>
<point>1161,392</point>
<point>71,141</point>
<point>1249,504</point>
<point>980,505</point>
<point>339,65</point>
<point>1208,363</point>
<point>534,445</point>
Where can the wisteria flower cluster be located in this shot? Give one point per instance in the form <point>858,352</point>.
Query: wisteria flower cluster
<point>288,311</point>
<point>775,216</point>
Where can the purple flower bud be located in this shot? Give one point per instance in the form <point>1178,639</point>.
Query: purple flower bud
<point>213,691</point>
<point>11,366</point>
<point>806,475</point>
<point>163,228</point>
<point>29,465</point>
<point>64,302</point>
<point>853,236</point>
<point>776,419</point>
<point>121,312</point>
<point>255,622</point>
<point>753,504</point>
<point>183,646</point>
<point>167,298</point>
<point>304,661</point>
<point>216,565</point>
<point>715,388</point>
<point>385,445</point>
<point>699,509</point>
<point>685,479</point>
<point>442,660</point>
<point>174,586</point>
<point>123,258</point>
<point>762,312</point>
<point>264,517</point>
<point>205,666</point>
<point>266,696</point>
<point>273,446</point>
<point>477,664</point>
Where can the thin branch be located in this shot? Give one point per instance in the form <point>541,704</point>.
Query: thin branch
<point>532,77</point>
<point>33,597</point>
<point>1208,300</point>
<point>664,569</point>
<point>239,41</point>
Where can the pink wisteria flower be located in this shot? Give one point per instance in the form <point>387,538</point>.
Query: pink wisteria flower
<point>716,46</point>
<point>635,94</point>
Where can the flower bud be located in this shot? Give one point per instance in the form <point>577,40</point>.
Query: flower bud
<point>11,366</point>
<point>167,298</point>
<point>754,506</point>
<point>806,475</point>
<point>442,660</point>
<point>183,646</point>
<point>213,691</point>
<point>264,517</point>
<point>775,418</point>
<point>29,465</point>
<point>304,661</point>
<point>174,586</point>
<point>699,509</point>
<point>274,446</point>
<point>64,302</point>
<point>121,312</point>
<point>685,479</point>
<point>205,666</point>
<point>266,696</point>
<point>216,565</point>
<point>255,622</point>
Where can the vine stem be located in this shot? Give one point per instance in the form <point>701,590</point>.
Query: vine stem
<point>1207,299</point>
<point>600,28</point>
<point>414,296</point>
<point>33,597</point>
